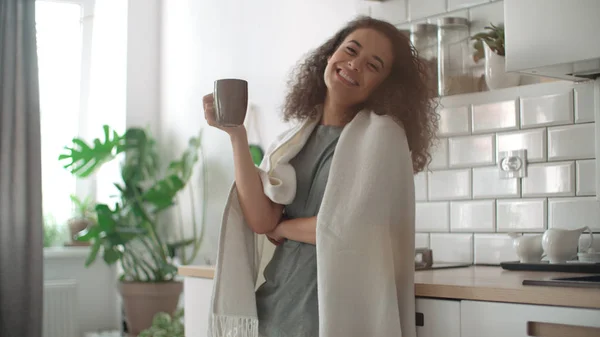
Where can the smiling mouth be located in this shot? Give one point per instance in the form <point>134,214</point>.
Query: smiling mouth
<point>345,77</point>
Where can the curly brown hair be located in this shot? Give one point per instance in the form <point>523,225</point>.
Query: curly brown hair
<point>404,95</point>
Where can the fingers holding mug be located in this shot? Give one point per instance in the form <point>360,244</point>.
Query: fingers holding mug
<point>208,101</point>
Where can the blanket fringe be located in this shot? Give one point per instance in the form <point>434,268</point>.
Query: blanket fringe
<point>234,326</point>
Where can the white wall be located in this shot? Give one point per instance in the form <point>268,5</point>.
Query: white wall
<point>259,41</point>
<point>97,300</point>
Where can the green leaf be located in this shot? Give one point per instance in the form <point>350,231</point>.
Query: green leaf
<point>93,253</point>
<point>162,194</point>
<point>85,159</point>
<point>106,220</point>
<point>184,167</point>
<point>111,255</point>
<point>172,247</point>
<point>141,161</point>
<point>88,234</point>
<point>257,154</point>
<point>167,269</point>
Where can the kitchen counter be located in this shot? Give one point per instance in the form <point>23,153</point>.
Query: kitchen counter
<point>197,271</point>
<point>480,283</point>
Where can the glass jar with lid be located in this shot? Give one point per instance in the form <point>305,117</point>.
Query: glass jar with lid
<point>424,37</point>
<point>455,75</point>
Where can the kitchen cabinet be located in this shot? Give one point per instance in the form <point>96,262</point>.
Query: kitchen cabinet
<point>198,294</point>
<point>492,319</point>
<point>438,318</point>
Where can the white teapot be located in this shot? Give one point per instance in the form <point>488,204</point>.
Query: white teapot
<point>560,245</point>
<point>528,247</point>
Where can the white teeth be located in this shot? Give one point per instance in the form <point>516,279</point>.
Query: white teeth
<point>347,77</point>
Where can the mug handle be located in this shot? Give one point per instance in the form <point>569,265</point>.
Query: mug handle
<point>586,228</point>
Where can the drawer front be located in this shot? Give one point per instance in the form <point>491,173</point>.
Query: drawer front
<point>519,320</point>
<point>438,318</point>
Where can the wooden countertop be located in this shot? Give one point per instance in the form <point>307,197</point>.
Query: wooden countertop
<point>479,283</point>
<point>495,284</point>
<point>197,271</point>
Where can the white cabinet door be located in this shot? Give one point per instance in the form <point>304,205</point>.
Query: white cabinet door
<point>197,294</point>
<point>437,318</point>
<point>491,319</point>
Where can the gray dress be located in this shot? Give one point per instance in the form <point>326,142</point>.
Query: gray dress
<point>287,301</point>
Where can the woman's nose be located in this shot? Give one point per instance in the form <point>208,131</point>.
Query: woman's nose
<point>354,64</point>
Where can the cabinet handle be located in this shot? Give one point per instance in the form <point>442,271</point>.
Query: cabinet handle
<point>542,329</point>
<point>420,319</point>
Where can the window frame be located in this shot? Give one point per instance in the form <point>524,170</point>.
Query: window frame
<point>83,187</point>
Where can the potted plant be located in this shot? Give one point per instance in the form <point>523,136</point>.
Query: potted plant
<point>165,325</point>
<point>52,232</point>
<point>83,217</point>
<point>134,231</point>
<point>490,45</point>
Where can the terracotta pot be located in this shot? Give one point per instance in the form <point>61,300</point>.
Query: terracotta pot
<point>76,225</point>
<point>143,300</point>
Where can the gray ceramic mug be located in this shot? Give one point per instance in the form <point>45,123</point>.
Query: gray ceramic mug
<point>231,101</point>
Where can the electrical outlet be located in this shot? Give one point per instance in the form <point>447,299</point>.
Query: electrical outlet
<point>512,164</point>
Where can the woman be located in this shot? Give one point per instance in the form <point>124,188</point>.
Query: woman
<point>369,65</point>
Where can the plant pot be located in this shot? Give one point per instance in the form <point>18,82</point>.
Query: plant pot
<point>76,225</point>
<point>496,76</point>
<point>142,300</point>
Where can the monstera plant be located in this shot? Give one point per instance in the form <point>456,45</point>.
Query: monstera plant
<point>131,230</point>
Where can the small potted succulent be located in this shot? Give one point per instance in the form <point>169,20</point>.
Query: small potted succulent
<point>490,46</point>
<point>83,218</point>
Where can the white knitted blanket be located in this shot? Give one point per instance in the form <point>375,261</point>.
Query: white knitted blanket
<point>365,236</point>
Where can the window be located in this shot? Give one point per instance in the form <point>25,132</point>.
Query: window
<point>82,76</point>
<point>59,47</point>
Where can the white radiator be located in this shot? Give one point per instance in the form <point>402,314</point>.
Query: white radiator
<point>60,308</point>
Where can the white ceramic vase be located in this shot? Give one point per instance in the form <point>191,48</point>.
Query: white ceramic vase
<point>496,76</point>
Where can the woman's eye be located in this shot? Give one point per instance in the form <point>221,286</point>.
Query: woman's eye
<point>373,67</point>
<point>351,50</point>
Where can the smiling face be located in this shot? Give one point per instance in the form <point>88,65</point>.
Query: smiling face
<point>358,66</point>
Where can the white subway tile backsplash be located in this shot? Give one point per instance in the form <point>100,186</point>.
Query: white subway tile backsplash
<point>584,103</point>
<point>391,11</point>
<point>548,120</point>
<point>455,14</point>
<point>555,109</point>
<point>487,184</point>
<point>586,177</point>
<point>452,247</point>
<point>458,4</point>
<point>472,151</point>
<point>534,141</point>
<point>571,213</point>
<point>449,184</point>
<point>549,179</point>
<point>432,217</point>
<point>482,16</point>
<point>439,155</point>
<point>494,249</point>
<point>421,186</point>
<point>422,240</point>
<point>521,215</point>
<point>473,216</point>
<point>454,121</point>
<point>495,116</point>
<point>571,142</point>
<point>424,8</point>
